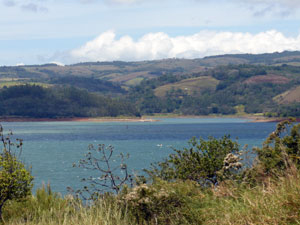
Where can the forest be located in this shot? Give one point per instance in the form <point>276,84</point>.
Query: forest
<point>34,101</point>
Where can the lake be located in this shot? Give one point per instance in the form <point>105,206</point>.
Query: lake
<point>51,148</point>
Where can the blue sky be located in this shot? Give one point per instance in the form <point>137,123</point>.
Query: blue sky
<point>70,31</point>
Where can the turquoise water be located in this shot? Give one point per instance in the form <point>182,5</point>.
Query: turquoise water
<point>52,147</point>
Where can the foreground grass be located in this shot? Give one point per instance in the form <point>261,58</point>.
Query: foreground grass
<point>50,208</point>
<point>274,202</point>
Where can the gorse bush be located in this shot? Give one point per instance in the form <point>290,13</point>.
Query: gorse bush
<point>161,202</point>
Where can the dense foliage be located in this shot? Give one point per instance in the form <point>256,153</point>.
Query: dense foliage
<point>281,148</point>
<point>234,89</point>
<point>36,101</point>
<point>89,83</point>
<point>15,179</point>
<point>202,162</point>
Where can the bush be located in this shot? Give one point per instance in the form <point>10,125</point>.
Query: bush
<point>202,162</point>
<point>162,202</point>
<point>15,179</point>
<point>281,148</point>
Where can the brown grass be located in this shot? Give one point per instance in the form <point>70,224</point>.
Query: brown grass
<point>191,86</point>
<point>270,78</point>
<point>292,95</point>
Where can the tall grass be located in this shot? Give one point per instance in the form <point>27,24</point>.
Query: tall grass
<point>47,207</point>
<point>274,202</point>
<point>267,193</point>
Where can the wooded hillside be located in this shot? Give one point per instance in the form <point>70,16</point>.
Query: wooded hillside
<point>227,84</point>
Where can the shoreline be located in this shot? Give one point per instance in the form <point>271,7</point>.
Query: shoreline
<point>155,118</point>
<point>252,118</point>
<point>76,119</point>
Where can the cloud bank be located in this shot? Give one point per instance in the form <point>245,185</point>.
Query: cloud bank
<point>106,47</point>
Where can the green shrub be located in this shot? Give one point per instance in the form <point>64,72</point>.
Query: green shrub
<point>202,162</point>
<point>281,150</point>
<point>15,179</point>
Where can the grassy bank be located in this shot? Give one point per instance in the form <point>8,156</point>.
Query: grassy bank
<point>272,203</point>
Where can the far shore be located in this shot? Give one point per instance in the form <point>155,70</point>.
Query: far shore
<point>252,118</point>
<point>154,118</point>
<point>76,119</point>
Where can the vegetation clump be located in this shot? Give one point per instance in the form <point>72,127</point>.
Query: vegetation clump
<point>204,162</point>
<point>38,102</point>
<point>15,179</point>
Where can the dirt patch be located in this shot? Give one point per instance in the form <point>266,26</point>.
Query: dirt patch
<point>131,76</point>
<point>270,78</point>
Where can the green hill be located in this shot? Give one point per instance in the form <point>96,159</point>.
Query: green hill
<point>211,85</point>
<point>124,72</point>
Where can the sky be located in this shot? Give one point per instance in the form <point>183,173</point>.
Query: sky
<point>72,31</point>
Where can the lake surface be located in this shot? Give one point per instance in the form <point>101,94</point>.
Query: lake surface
<point>51,148</point>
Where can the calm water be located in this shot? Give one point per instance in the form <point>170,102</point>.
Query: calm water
<point>52,147</point>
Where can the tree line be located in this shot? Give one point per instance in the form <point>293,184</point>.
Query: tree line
<point>39,102</point>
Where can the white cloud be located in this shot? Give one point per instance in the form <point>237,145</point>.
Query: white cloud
<point>106,47</point>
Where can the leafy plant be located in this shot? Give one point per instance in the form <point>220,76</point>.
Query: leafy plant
<point>281,147</point>
<point>15,179</point>
<point>201,162</point>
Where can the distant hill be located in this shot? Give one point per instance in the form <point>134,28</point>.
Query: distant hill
<point>132,73</point>
<point>224,84</point>
<point>267,58</point>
